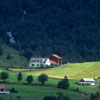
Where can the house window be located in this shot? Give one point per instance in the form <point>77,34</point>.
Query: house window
<point>37,64</point>
<point>32,64</point>
<point>37,60</point>
<point>34,60</point>
<point>2,89</point>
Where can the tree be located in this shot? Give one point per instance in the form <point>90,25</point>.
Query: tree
<point>29,79</point>
<point>19,78</point>
<point>8,57</point>
<point>4,76</point>
<point>93,97</point>
<point>42,78</point>
<point>49,98</point>
<point>1,51</point>
<point>64,83</point>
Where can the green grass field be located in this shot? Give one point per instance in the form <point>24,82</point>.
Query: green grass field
<point>72,70</point>
<point>36,92</point>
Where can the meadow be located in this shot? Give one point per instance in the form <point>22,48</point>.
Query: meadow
<point>36,92</point>
<point>72,71</point>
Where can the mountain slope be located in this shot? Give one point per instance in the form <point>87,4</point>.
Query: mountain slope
<point>11,58</point>
<point>69,28</point>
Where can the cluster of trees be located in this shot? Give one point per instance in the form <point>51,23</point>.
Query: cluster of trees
<point>59,96</point>
<point>51,24</point>
<point>42,78</point>
<point>95,96</point>
<point>64,83</point>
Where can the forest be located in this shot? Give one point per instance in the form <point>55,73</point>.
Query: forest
<point>69,28</point>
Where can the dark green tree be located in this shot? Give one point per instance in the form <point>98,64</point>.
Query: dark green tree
<point>4,76</point>
<point>42,78</point>
<point>19,77</point>
<point>29,79</point>
<point>64,83</point>
<point>1,51</point>
<point>93,97</point>
<point>49,98</point>
<point>8,57</point>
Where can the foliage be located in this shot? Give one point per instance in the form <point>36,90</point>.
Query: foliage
<point>64,83</point>
<point>13,90</point>
<point>59,97</point>
<point>4,76</point>
<point>1,51</point>
<point>19,77</point>
<point>95,96</point>
<point>29,79</point>
<point>42,78</point>
<point>49,98</point>
<point>8,57</point>
<point>75,37</point>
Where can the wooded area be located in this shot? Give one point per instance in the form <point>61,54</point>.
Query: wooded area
<point>69,28</point>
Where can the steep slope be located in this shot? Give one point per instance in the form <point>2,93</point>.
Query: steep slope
<point>11,58</point>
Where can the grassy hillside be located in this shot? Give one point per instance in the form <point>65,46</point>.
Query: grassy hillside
<point>15,59</point>
<point>73,70</point>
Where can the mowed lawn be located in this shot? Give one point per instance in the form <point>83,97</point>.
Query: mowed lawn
<point>72,70</point>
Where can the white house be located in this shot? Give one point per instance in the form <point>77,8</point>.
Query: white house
<point>37,62</point>
<point>87,81</point>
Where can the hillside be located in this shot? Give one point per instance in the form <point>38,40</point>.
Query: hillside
<point>69,28</point>
<point>73,71</point>
<point>11,57</point>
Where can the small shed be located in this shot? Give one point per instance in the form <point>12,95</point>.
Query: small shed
<point>87,81</point>
<point>2,89</point>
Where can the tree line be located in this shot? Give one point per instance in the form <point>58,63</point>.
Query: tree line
<point>64,83</point>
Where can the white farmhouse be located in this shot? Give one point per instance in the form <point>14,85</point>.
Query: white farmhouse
<point>38,62</point>
<point>87,81</point>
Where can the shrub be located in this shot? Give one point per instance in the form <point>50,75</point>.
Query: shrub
<point>13,90</point>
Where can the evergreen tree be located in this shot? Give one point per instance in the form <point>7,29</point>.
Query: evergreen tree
<point>19,78</point>
<point>64,83</point>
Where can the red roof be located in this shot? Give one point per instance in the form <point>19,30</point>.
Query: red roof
<point>53,62</point>
<point>56,56</point>
<point>2,86</point>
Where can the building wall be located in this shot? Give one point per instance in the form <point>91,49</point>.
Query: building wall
<point>48,62</point>
<point>35,63</point>
<point>58,61</point>
<point>39,62</point>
